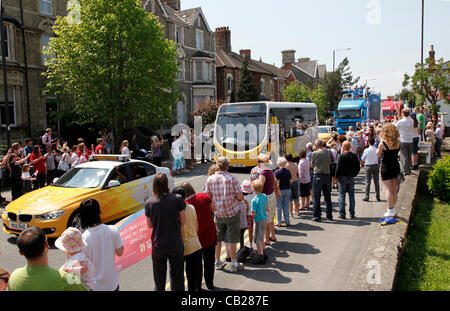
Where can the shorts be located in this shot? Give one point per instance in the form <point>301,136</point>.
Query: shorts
<point>294,190</point>
<point>260,230</point>
<point>272,206</point>
<point>415,145</point>
<point>250,222</point>
<point>231,227</point>
<point>305,190</point>
<point>333,169</point>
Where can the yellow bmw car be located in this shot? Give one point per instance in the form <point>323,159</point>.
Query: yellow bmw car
<point>326,132</point>
<point>121,188</point>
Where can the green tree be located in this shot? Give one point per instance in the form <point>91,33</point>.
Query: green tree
<point>431,82</point>
<point>208,111</point>
<point>408,96</point>
<point>296,92</point>
<point>112,65</point>
<point>247,90</point>
<point>319,97</point>
<point>337,81</point>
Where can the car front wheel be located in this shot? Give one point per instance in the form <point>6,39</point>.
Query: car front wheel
<point>75,221</point>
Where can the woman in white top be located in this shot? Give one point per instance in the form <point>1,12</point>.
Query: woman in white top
<point>124,148</point>
<point>74,158</point>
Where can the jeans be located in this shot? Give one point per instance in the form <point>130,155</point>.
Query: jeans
<point>322,183</point>
<point>346,185</point>
<point>283,205</point>
<point>175,256</point>
<point>405,156</point>
<point>372,171</point>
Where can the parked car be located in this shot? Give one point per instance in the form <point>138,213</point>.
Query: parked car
<point>326,132</point>
<point>119,184</point>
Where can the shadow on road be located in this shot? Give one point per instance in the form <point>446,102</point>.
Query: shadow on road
<point>289,232</point>
<point>306,227</point>
<point>299,248</point>
<point>287,267</point>
<point>266,274</point>
<point>12,240</point>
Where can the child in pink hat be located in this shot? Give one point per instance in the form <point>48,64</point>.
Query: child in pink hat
<point>71,242</point>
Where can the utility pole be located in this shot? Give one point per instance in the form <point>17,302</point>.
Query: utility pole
<point>5,76</point>
<point>421,49</point>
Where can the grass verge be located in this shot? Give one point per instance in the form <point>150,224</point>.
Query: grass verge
<point>425,263</point>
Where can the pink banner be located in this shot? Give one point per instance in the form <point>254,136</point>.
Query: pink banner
<point>137,240</point>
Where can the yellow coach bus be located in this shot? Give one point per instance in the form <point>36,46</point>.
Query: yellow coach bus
<point>244,130</point>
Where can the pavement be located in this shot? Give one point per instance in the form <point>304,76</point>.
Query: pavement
<point>308,256</point>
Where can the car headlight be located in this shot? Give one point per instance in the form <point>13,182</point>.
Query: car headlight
<point>50,215</point>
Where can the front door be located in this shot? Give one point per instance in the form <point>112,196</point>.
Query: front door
<point>180,112</point>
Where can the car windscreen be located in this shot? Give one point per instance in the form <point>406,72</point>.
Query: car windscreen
<point>82,178</point>
<point>388,113</point>
<point>252,125</point>
<point>349,114</point>
<point>323,130</point>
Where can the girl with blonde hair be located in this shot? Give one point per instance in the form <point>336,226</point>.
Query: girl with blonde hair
<point>124,148</point>
<point>390,167</point>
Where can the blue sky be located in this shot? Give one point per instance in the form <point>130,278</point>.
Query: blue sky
<point>384,43</point>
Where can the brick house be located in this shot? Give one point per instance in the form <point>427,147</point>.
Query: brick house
<point>29,111</point>
<point>304,70</point>
<point>267,78</point>
<point>196,52</point>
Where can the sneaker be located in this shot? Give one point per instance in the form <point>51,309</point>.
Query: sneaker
<point>341,216</point>
<point>378,199</point>
<point>220,264</point>
<point>237,267</point>
<point>390,213</point>
<point>366,199</point>
<point>330,218</point>
<point>352,216</point>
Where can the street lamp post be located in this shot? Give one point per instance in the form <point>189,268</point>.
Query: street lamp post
<point>5,77</point>
<point>421,49</point>
<point>334,55</point>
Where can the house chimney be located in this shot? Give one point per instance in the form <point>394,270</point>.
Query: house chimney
<point>303,59</point>
<point>223,39</point>
<point>288,57</point>
<point>432,53</point>
<point>246,53</point>
<point>174,4</point>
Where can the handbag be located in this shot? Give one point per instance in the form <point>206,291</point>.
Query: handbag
<point>243,254</point>
<point>63,165</point>
<point>276,187</point>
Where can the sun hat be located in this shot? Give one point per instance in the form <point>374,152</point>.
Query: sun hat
<point>71,241</point>
<point>264,158</point>
<point>3,271</point>
<point>246,186</point>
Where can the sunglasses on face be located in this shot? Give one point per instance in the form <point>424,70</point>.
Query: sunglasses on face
<point>5,278</point>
